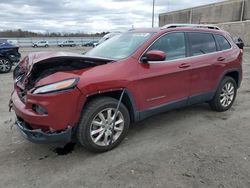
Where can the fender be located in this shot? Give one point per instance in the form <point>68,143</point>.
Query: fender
<point>225,73</point>
<point>128,100</point>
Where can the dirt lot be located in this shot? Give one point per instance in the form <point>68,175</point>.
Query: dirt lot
<point>190,147</point>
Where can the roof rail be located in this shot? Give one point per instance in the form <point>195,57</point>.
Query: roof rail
<point>190,25</point>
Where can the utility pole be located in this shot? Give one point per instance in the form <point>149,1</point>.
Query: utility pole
<point>153,13</point>
<point>242,10</point>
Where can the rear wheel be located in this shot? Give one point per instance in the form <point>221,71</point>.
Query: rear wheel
<point>95,127</point>
<point>5,65</point>
<point>225,95</point>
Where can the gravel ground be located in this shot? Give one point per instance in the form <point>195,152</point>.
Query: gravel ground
<point>188,147</point>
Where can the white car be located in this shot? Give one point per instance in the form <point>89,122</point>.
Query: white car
<point>106,37</point>
<point>41,43</point>
<point>70,43</point>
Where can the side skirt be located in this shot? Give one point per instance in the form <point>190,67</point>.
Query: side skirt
<point>203,97</point>
<point>162,108</point>
<point>195,99</point>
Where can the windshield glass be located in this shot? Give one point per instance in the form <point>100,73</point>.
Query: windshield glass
<point>120,46</point>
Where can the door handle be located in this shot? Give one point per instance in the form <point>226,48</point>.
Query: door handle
<point>184,65</point>
<point>221,58</point>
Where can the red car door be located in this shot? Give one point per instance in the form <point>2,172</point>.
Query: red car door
<point>163,82</point>
<point>206,62</point>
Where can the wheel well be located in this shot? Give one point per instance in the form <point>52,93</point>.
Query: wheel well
<point>2,56</point>
<point>234,75</point>
<point>116,94</point>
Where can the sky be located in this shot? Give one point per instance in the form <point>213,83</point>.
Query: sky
<point>86,16</point>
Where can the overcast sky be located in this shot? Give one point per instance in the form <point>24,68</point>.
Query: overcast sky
<point>85,16</point>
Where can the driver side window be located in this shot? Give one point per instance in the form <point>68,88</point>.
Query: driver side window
<point>173,44</point>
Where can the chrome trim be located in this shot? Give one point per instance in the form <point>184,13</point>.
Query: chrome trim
<point>155,98</point>
<point>190,25</point>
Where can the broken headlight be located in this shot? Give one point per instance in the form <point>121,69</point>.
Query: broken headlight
<point>57,86</point>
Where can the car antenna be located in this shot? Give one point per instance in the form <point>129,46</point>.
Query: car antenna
<point>113,121</point>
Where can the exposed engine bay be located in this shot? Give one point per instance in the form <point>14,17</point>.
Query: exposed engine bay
<point>28,72</point>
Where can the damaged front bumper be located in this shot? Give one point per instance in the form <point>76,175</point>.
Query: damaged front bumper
<point>40,137</point>
<point>54,126</point>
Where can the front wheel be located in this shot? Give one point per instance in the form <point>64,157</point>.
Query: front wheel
<point>95,127</point>
<point>5,65</point>
<point>225,95</point>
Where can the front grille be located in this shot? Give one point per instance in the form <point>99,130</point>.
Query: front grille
<point>22,94</point>
<point>19,77</point>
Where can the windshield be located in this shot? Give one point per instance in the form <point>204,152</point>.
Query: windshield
<point>120,46</point>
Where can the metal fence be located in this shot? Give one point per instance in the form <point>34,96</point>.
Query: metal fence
<point>53,41</point>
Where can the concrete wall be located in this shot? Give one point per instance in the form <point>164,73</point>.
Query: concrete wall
<point>226,11</point>
<point>226,14</point>
<point>241,29</point>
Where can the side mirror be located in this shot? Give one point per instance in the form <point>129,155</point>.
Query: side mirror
<point>154,55</point>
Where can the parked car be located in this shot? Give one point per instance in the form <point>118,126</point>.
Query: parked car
<point>94,98</point>
<point>8,56</point>
<point>41,43</point>
<point>13,42</point>
<point>239,42</point>
<point>67,43</point>
<point>10,41</point>
<point>106,37</point>
<point>90,43</point>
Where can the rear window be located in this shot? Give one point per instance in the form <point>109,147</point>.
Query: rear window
<point>222,42</point>
<point>201,43</point>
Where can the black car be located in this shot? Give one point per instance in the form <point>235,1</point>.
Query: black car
<point>239,42</point>
<point>8,55</point>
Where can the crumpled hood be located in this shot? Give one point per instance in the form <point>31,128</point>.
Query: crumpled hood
<point>41,64</point>
<point>40,56</point>
<point>36,57</point>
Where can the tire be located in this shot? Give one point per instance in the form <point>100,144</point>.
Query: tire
<point>225,95</point>
<point>5,65</point>
<point>86,125</point>
<point>46,46</point>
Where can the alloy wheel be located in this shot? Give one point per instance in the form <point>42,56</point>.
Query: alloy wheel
<point>227,94</point>
<point>101,127</point>
<point>4,65</point>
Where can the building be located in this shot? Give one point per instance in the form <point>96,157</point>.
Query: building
<point>231,15</point>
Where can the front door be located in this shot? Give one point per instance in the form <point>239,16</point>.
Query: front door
<point>168,81</point>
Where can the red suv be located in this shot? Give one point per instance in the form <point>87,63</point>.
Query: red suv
<point>93,98</point>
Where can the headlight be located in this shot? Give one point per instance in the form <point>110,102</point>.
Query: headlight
<point>57,86</point>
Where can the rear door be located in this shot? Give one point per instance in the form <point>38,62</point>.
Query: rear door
<point>167,81</point>
<point>203,60</point>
